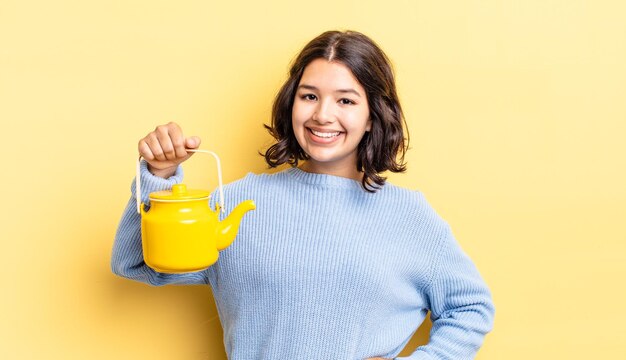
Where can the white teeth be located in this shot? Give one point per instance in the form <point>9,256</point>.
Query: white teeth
<point>325,135</point>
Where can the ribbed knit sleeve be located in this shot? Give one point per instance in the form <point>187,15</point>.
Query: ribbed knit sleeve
<point>127,257</point>
<point>462,310</point>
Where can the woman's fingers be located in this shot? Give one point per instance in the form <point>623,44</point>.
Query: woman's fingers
<point>163,134</point>
<point>193,142</point>
<point>154,143</point>
<point>165,147</point>
<point>144,150</point>
<point>177,140</point>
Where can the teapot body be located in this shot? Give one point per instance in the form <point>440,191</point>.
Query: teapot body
<point>179,236</point>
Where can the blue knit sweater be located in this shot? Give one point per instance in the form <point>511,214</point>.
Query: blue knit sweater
<point>325,270</point>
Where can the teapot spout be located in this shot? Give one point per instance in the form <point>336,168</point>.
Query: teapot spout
<point>228,228</point>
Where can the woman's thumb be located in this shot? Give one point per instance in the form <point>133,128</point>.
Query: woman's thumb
<point>192,142</point>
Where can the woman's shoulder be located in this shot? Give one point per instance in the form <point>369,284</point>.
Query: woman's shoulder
<point>414,197</point>
<point>252,179</point>
<point>254,183</point>
<point>413,203</point>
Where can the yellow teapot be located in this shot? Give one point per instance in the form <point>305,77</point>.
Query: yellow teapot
<point>180,233</point>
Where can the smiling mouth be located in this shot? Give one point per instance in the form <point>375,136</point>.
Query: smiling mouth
<point>325,134</point>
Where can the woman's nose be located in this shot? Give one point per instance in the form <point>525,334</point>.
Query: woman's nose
<point>323,114</point>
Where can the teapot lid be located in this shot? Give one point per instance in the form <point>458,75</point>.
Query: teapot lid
<point>179,192</point>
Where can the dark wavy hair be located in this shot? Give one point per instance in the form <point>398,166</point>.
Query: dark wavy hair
<point>380,147</point>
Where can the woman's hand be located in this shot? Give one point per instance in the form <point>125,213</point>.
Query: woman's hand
<point>164,149</point>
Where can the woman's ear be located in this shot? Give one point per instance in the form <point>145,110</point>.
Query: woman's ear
<point>368,125</point>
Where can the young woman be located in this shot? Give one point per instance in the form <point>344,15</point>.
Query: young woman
<point>335,263</point>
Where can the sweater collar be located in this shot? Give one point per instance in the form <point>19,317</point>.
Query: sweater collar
<point>323,180</point>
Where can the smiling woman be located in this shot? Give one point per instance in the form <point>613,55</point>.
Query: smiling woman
<point>330,118</point>
<point>341,82</point>
<point>305,280</point>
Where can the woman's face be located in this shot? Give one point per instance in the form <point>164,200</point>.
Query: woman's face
<point>330,115</point>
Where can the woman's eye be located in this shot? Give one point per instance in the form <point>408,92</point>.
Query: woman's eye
<point>346,101</point>
<point>308,97</point>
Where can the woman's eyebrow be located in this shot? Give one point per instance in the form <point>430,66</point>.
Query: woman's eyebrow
<point>311,87</point>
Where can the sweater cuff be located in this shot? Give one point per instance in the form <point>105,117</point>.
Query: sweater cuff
<point>151,183</point>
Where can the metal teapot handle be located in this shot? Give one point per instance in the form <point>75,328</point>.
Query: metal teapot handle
<point>219,178</point>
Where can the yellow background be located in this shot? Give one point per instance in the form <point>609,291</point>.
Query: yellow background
<point>517,116</point>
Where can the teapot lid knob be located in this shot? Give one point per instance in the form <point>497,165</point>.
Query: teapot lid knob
<point>179,192</point>
<point>179,189</point>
